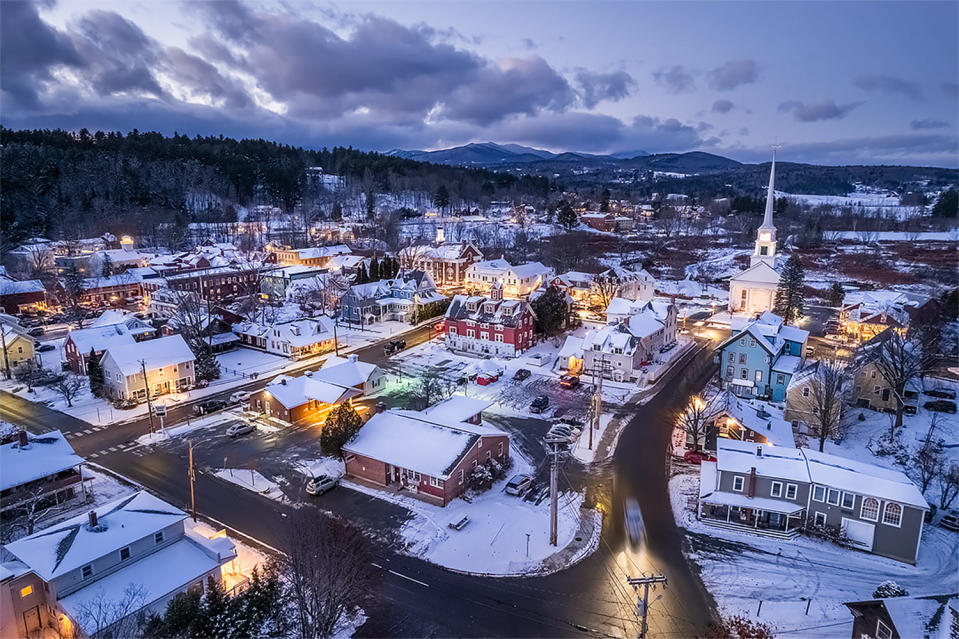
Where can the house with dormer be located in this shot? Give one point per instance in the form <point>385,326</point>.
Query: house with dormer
<point>294,339</point>
<point>401,299</point>
<point>760,359</point>
<point>102,572</point>
<point>491,326</point>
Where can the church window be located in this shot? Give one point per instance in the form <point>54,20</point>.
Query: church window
<point>763,250</point>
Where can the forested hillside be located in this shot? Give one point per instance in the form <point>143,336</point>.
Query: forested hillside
<point>60,184</point>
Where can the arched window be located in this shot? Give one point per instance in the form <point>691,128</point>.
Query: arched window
<point>870,509</point>
<point>892,514</point>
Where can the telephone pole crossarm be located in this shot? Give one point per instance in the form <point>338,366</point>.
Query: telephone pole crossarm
<point>642,601</point>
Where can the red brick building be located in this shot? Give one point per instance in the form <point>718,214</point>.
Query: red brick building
<point>429,453</point>
<point>216,284</point>
<point>19,296</point>
<point>490,325</point>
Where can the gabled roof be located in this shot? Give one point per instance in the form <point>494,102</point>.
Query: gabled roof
<point>71,544</point>
<point>113,317</point>
<point>155,353</point>
<point>760,272</point>
<point>296,391</point>
<point>529,269</point>
<point>643,324</point>
<point>45,455</point>
<point>323,251</point>
<point>100,338</point>
<point>457,408</point>
<point>14,287</point>
<point>928,616</point>
<point>345,371</point>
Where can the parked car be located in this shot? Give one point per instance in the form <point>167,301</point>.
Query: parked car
<point>569,381</point>
<point>44,348</point>
<point>518,485</point>
<point>562,432</point>
<point>692,457</point>
<point>35,332</point>
<point>201,383</point>
<point>395,346</point>
<point>240,428</point>
<point>635,527</point>
<point>521,374</point>
<point>941,406</point>
<point>950,521</point>
<point>321,484</point>
<point>486,379</point>
<point>209,406</point>
<point>539,404</point>
<point>941,393</point>
<point>380,407</point>
<point>239,397</point>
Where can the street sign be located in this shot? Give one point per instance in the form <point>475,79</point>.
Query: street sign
<point>159,411</point>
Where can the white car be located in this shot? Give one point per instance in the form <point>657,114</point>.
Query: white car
<point>240,428</point>
<point>518,485</point>
<point>634,522</point>
<point>321,484</point>
<point>239,397</point>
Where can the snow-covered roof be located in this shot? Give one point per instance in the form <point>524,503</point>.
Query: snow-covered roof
<point>71,544</point>
<point>15,287</point>
<point>643,324</point>
<point>345,261</point>
<point>290,271</point>
<point>112,317</point>
<point>572,347</point>
<point>744,501</point>
<point>761,418</point>
<point>912,616</point>
<point>122,279</point>
<point>788,364</point>
<point>529,269</point>
<point>457,408</point>
<point>100,338</point>
<point>345,371</point>
<point>619,307</point>
<point>298,333</point>
<point>156,353</point>
<point>793,334</point>
<point>323,251</point>
<point>296,391</point>
<point>45,455</point>
<point>417,441</point>
<point>760,273</point>
<point>780,462</point>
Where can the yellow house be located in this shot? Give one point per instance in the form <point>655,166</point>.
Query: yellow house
<point>871,390</point>
<point>17,347</point>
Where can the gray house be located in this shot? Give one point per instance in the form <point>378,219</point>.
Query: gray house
<point>781,492</point>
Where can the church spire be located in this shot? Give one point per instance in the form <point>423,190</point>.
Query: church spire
<point>770,195</point>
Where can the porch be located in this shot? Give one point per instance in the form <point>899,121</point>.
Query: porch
<point>755,515</point>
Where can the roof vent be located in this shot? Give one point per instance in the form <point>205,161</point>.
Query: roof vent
<point>283,381</point>
<point>23,439</point>
<point>759,451</point>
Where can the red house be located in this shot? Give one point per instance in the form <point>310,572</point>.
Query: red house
<point>430,453</point>
<point>489,325</point>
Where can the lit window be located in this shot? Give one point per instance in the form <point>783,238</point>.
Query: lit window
<point>26,591</point>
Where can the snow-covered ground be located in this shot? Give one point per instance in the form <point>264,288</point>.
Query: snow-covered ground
<point>872,237</point>
<point>190,426</point>
<point>243,362</point>
<point>505,534</point>
<point>251,480</point>
<point>866,201</point>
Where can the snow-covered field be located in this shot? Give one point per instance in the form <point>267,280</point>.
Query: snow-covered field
<point>872,237</point>
<point>740,570</point>
<point>505,535</point>
<point>866,201</point>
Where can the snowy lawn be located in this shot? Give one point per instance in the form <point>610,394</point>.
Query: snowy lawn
<point>251,480</point>
<point>242,362</point>
<point>190,426</point>
<point>581,450</point>
<point>494,542</point>
<point>740,570</point>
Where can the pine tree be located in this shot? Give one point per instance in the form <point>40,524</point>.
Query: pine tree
<point>441,199</point>
<point>836,294</point>
<point>340,427</point>
<point>567,216</point>
<point>790,293</point>
<point>551,311</point>
<point>95,373</point>
<point>337,213</point>
<point>604,202</point>
<point>370,204</point>
<point>362,277</point>
<point>106,266</point>
<point>206,365</point>
<point>374,270</point>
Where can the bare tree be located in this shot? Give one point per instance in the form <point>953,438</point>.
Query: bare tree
<point>948,482</point>
<point>111,615</point>
<point>329,571</point>
<point>431,387</point>
<point>821,403</point>
<point>69,386</point>
<point>411,255</point>
<point>926,460</point>
<point>605,287</point>
<point>901,359</point>
<point>698,417</point>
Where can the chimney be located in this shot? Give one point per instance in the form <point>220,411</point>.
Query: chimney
<point>759,451</point>
<point>92,515</point>
<point>751,484</point>
<point>24,440</point>
<point>283,381</point>
<point>352,357</point>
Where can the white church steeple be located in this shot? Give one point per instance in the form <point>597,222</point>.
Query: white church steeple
<point>766,235</point>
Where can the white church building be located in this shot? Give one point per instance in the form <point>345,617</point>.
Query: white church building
<point>754,290</point>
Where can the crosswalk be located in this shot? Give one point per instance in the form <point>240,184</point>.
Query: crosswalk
<point>88,431</point>
<point>126,447</point>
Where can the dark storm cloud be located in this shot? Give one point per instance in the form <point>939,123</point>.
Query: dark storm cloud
<point>733,74</point>
<point>596,87</point>
<point>927,123</point>
<point>675,79</point>
<point>951,89</point>
<point>202,79</point>
<point>889,84</point>
<point>722,106</point>
<point>815,111</point>
<point>119,56</point>
<point>30,49</point>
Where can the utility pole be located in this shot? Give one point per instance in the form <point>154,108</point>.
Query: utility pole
<point>6,358</point>
<point>191,473</point>
<point>146,388</point>
<point>336,343</point>
<point>642,604</point>
<point>553,443</point>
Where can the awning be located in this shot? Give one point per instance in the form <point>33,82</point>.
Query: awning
<point>386,301</point>
<point>224,338</point>
<point>756,503</point>
<point>743,382</point>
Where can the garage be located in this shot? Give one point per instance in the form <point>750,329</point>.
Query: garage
<point>860,533</point>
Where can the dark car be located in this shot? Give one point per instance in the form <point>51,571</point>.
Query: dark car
<point>209,406</point>
<point>941,406</point>
<point>35,332</point>
<point>569,381</point>
<point>43,348</point>
<point>521,374</point>
<point>395,346</point>
<point>950,521</point>
<point>539,404</point>
<point>941,393</point>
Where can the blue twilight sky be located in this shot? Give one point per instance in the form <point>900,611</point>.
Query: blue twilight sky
<point>835,83</point>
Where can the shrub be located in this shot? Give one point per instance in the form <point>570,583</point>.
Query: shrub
<point>889,588</point>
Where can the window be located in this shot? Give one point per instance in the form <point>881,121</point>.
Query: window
<point>729,371</point>
<point>158,538</point>
<point>820,519</point>
<point>742,358</point>
<point>832,497</point>
<point>759,376</point>
<point>870,509</point>
<point>805,391</point>
<point>26,591</point>
<point>462,475</point>
<point>436,483</point>
<point>732,357</point>
<point>780,379</point>
<point>738,482</point>
<point>882,630</point>
<point>124,553</point>
<point>452,330</point>
<point>818,493</point>
<point>752,343</point>
<point>470,332</point>
<point>892,514</point>
<point>499,449</point>
<point>86,572</point>
<point>848,501</point>
<point>791,491</point>
<point>777,489</point>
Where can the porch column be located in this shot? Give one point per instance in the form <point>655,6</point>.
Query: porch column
<point>756,518</point>
<point>728,511</point>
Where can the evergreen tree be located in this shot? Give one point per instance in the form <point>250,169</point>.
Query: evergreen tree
<point>106,266</point>
<point>214,613</point>
<point>95,373</point>
<point>567,216</point>
<point>370,204</point>
<point>790,294</point>
<point>362,277</point>
<point>604,201</point>
<point>441,199</point>
<point>375,270</point>
<point>340,427</point>
<point>836,294</point>
<point>552,311</point>
<point>206,366</point>
<point>947,205</point>
<point>337,213</point>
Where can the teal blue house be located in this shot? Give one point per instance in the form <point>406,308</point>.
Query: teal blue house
<point>760,359</point>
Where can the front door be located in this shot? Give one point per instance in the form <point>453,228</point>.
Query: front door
<point>31,619</point>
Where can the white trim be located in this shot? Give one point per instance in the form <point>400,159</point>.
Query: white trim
<point>741,481</point>
<point>829,492</point>
<point>772,489</point>
<point>842,501</point>
<point>816,518</point>
<point>885,508</point>
<point>795,490</point>
<point>862,509</point>
<point>812,493</point>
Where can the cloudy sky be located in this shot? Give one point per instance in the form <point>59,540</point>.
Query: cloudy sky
<point>834,83</point>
